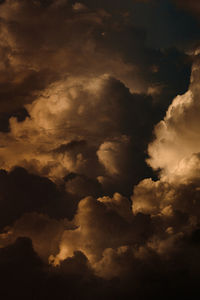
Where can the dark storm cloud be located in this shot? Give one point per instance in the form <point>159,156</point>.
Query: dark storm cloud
<point>82,86</point>
<point>22,192</point>
<point>165,24</point>
<point>95,128</point>
<point>30,40</point>
<point>153,277</point>
<point>191,6</point>
<point>21,269</point>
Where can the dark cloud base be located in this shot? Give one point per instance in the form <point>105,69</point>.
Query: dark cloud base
<point>30,278</point>
<point>22,192</point>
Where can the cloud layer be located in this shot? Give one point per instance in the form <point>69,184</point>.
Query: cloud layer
<point>99,149</point>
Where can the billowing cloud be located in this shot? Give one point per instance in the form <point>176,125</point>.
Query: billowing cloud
<point>101,224</point>
<point>85,126</point>
<point>96,200</point>
<point>176,147</point>
<point>30,40</point>
<point>173,200</point>
<point>45,233</point>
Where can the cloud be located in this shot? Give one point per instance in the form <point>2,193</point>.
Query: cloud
<point>111,154</point>
<point>175,154</point>
<point>176,147</point>
<point>102,224</point>
<point>109,44</point>
<point>172,201</point>
<point>23,192</point>
<point>82,85</point>
<point>59,99</point>
<point>75,275</point>
<point>44,232</point>
<point>153,197</point>
<point>20,267</point>
<point>85,126</point>
<point>189,6</point>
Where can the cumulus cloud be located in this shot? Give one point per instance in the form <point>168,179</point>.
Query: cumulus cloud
<point>85,126</point>
<point>102,223</point>
<point>173,200</point>
<point>176,147</point>
<point>61,98</point>
<point>82,85</point>
<point>30,40</point>
<point>153,197</point>
<point>111,154</point>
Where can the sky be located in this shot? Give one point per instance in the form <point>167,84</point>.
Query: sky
<point>99,149</point>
